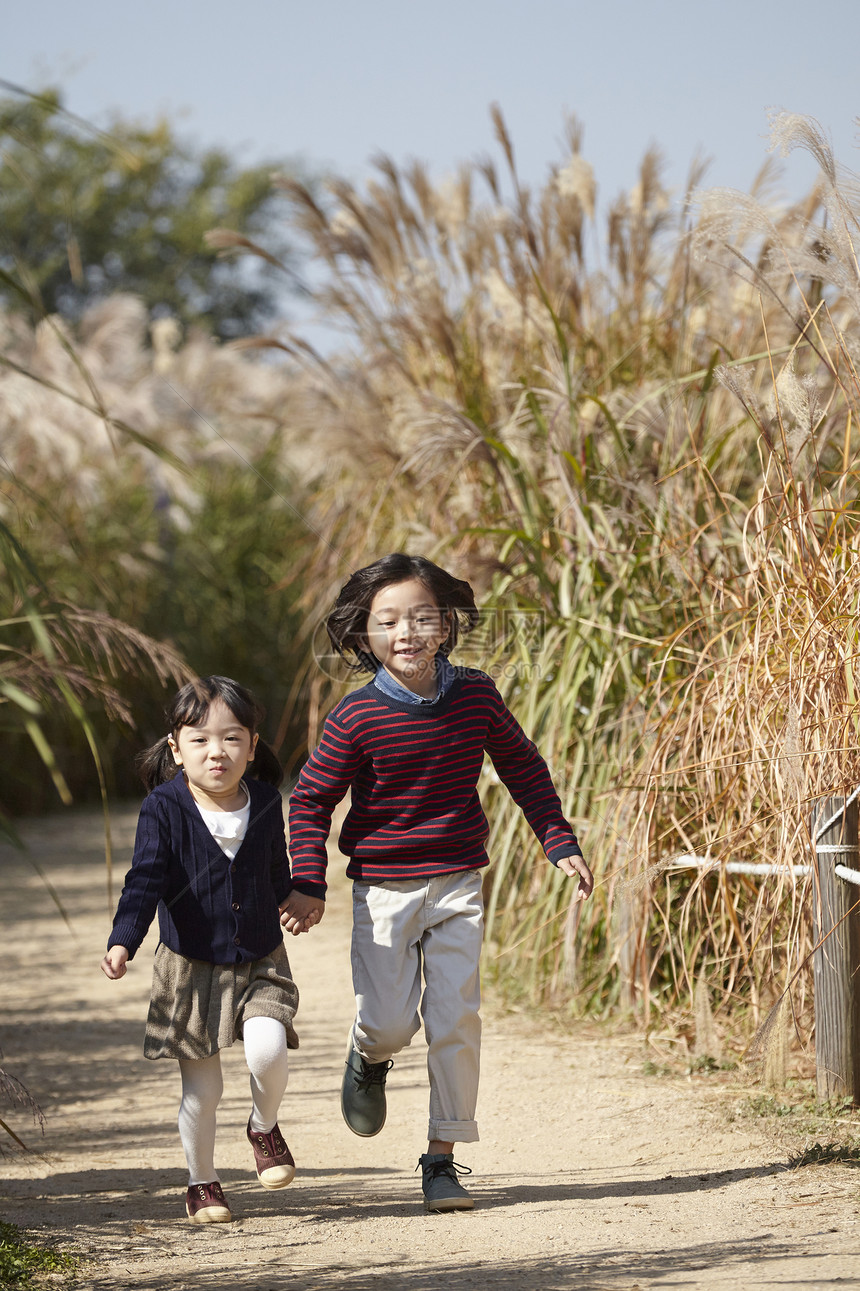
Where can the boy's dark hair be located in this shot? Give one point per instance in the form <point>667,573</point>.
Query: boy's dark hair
<point>347,623</point>
<point>189,707</point>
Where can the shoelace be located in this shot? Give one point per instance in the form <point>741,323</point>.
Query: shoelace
<point>372,1073</point>
<point>435,1168</point>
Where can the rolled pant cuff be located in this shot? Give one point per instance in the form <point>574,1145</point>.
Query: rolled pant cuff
<point>453,1131</point>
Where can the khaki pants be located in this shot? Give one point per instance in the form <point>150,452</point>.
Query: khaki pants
<point>432,927</point>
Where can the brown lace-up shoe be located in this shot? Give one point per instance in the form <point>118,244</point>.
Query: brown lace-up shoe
<point>275,1165</point>
<point>205,1203</point>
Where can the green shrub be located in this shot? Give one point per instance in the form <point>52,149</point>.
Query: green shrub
<point>20,1261</point>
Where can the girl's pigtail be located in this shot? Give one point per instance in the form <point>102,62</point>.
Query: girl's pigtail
<point>155,765</point>
<point>266,766</point>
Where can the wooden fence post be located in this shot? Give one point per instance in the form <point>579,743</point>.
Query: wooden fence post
<point>836,964</point>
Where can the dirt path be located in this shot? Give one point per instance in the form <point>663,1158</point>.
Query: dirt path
<point>590,1175</point>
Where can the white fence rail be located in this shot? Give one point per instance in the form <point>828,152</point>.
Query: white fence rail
<point>835,829</point>
<point>690,862</point>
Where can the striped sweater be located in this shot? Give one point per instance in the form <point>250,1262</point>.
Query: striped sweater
<point>413,770</point>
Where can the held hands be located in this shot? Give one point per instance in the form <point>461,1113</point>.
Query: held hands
<point>573,867</point>
<point>114,963</point>
<point>300,912</point>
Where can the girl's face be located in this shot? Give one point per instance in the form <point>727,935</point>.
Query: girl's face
<point>214,756</point>
<point>405,628</point>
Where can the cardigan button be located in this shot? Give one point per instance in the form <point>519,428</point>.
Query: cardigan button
<point>232,869</point>
<point>237,941</point>
<point>236,905</point>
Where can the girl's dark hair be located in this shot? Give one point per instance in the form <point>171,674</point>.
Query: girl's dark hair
<point>347,623</point>
<point>189,708</point>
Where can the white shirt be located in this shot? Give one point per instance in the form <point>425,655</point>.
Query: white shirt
<point>228,828</point>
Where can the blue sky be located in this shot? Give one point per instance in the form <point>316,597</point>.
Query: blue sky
<point>335,80</point>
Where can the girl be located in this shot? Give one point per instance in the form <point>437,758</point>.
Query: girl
<point>410,745</point>
<point>210,855</point>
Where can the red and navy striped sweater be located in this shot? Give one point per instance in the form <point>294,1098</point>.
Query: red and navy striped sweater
<point>413,770</point>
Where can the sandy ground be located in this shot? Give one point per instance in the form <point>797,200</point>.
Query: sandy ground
<point>589,1174</point>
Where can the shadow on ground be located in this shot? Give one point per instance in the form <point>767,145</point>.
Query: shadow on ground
<point>346,1195</point>
<point>299,1267</point>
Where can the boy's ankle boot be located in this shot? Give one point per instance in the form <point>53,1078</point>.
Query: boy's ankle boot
<point>362,1095</point>
<point>442,1189</point>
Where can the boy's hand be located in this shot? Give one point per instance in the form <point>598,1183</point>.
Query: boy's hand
<point>573,867</point>
<point>114,963</point>
<point>300,912</point>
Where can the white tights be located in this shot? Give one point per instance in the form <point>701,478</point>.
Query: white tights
<point>203,1085</point>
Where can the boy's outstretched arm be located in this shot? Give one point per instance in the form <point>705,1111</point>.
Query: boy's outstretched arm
<point>300,912</point>
<point>574,866</point>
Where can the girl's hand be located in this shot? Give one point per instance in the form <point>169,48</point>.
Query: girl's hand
<point>114,963</point>
<point>573,867</point>
<point>300,912</point>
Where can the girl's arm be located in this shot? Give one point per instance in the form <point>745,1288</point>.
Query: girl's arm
<point>279,861</point>
<point>145,882</point>
<point>114,963</point>
<point>300,912</point>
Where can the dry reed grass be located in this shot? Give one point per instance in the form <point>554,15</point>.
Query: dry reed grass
<point>649,447</point>
<point>765,722</point>
<point>125,464</point>
<point>636,437</point>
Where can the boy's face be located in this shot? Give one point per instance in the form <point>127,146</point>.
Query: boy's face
<point>405,628</point>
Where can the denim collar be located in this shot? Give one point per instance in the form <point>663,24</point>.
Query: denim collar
<point>444,676</point>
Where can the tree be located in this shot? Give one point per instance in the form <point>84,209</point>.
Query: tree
<point>84,213</point>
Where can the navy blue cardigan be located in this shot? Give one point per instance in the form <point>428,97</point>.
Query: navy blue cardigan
<point>209,907</point>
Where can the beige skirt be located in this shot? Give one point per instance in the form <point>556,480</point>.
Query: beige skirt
<point>198,1008</point>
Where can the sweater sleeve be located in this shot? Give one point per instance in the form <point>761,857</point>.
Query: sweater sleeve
<point>280,862</point>
<point>145,881</point>
<point>526,776</point>
<point>324,781</point>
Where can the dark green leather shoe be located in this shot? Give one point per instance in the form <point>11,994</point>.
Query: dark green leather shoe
<point>442,1189</point>
<point>362,1095</point>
